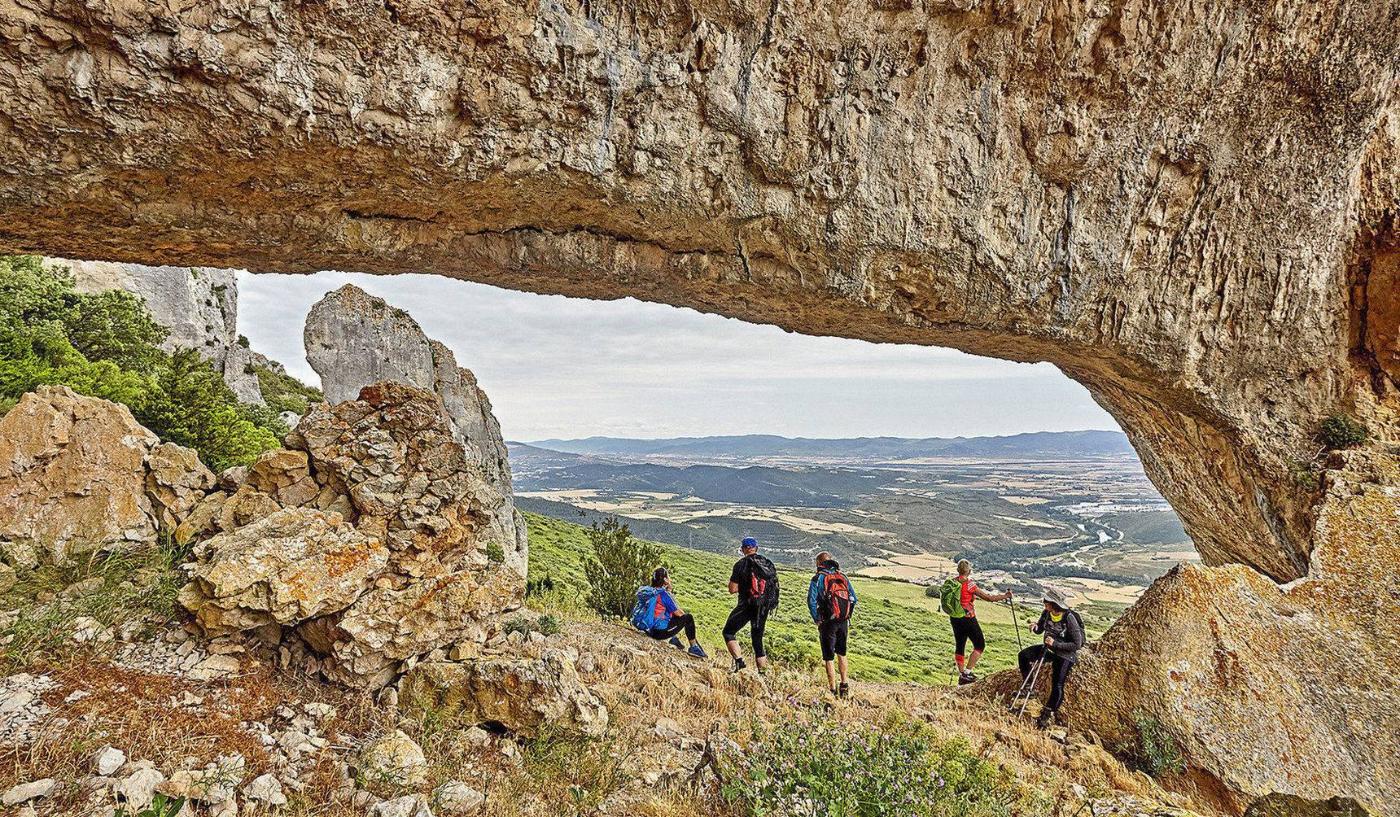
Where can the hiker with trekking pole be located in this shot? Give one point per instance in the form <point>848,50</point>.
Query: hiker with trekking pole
<point>830,600</point>
<point>755,581</point>
<point>957,597</point>
<point>1063,636</point>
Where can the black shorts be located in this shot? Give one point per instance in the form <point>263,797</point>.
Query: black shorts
<point>967,629</point>
<point>754,615</point>
<point>832,635</point>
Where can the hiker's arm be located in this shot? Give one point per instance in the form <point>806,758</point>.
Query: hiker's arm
<point>733,588</point>
<point>985,596</point>
<point>1075,640</point>
<point>812,598</point>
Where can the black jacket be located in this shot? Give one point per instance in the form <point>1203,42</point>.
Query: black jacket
<point>1067,634</point>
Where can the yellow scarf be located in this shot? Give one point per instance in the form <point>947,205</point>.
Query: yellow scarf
<point>1056,618</point>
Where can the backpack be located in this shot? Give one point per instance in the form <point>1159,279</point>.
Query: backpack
<point>834,598</point>
<point>644,611</point>
<point>763,583</point>
<point>950,598</point>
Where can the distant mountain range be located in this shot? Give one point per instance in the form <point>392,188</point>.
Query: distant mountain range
<point>1039,445</point>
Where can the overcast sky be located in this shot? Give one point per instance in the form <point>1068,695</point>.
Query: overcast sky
<point>566,367</point>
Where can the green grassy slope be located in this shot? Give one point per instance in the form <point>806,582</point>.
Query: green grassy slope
<point>897,632</point>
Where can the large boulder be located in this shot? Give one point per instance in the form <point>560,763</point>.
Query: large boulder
<point>371,539</point>
<point>354,339</point>
<point>1269,689</point>
<point>79,474</point>
<point>522,694</point>
<point>290,566</point>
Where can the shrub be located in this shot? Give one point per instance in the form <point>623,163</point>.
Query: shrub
<point>1156,751</point>
<point>824,768</point>
<point>1342,431</point>
<point>282,392</point>
<point>107,345</point>
<point>619,565</point>
<point>161,806</point>
<point>545,624</point>
<point>495,554</point>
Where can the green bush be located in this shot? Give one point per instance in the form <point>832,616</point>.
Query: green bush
<point>619,565</point>
<point>835,768</point>
<point>107,345</point>
<point>1341,431</point>
<point>1156,751</point>
<point>282,392</point>
<point>545,624</point>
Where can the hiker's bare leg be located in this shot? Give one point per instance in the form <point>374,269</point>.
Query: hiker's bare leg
<point>831,675</point>
<point>733,647</point>
<point>762,662</point>
<point>972,659</point>
<point>840,661</point>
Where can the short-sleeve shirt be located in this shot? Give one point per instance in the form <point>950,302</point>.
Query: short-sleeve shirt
<point>664,607</point>
<point>740,576</point>
<point>969,596</point>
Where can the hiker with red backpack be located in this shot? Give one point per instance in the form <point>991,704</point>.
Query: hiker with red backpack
<point>755,581</point>
<point>1064,637</point>
<point>657,614</point>
<point>830,600</point>
<point>957,598</point>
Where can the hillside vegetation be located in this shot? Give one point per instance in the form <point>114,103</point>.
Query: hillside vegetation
<point>897,632</point>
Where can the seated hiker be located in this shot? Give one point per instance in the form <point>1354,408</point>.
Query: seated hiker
<point>755,581</point>
<point>657,614</point>
<point>1064,636</point>
<point>958,597</point>
<point>830,600</point>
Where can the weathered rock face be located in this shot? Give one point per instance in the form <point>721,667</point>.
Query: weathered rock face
<point>79,474</point>
<point>1268,689</point>
<point>523,695</point>
<point>199,305</point>
<point>290,566</point>
<point>354,339</point>
<point>372,540</point>
<point>1187,207</point>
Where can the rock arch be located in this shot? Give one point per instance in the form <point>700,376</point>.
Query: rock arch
<point>1190,208</point>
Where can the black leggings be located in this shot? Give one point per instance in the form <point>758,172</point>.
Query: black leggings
<point>683,622</point>
<point>756,616</point>
<point>965,629</point>
<point>1059,671</point>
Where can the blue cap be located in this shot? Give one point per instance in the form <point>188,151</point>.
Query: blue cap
<point>749,542</point>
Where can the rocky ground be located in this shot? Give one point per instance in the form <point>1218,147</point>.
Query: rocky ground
<point>111,700</point>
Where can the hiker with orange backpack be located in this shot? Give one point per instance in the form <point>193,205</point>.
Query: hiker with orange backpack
<point>755,581</point>
<point>830,600</point>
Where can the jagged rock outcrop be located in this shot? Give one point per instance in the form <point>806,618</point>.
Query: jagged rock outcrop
<point>372,539</point>
<point>523,695</point>
<point>198,305</point>
<point>79,474</point>
<point>354,339</point>
<point>290,566</point>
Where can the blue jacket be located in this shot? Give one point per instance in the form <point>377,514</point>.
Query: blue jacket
<point>815,588</point>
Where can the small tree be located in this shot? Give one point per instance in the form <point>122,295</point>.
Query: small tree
<point>620,564</point>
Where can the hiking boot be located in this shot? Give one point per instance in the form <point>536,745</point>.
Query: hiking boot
<point>696,651</point>
<point>1046,717</point>
<point>844,690</point>
<point>739,664</point>
<point>676,642</point>
<point>966,677</point>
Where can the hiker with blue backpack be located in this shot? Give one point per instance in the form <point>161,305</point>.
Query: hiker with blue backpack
<point>958,598</point>
<point>830,600</point>
<point>657,614</point>
<point>755,581</point>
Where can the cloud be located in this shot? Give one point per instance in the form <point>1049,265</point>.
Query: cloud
<point>556,366</point>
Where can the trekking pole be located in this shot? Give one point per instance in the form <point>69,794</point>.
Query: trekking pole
<point>1015,625</point>
<point>1027,690</point>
